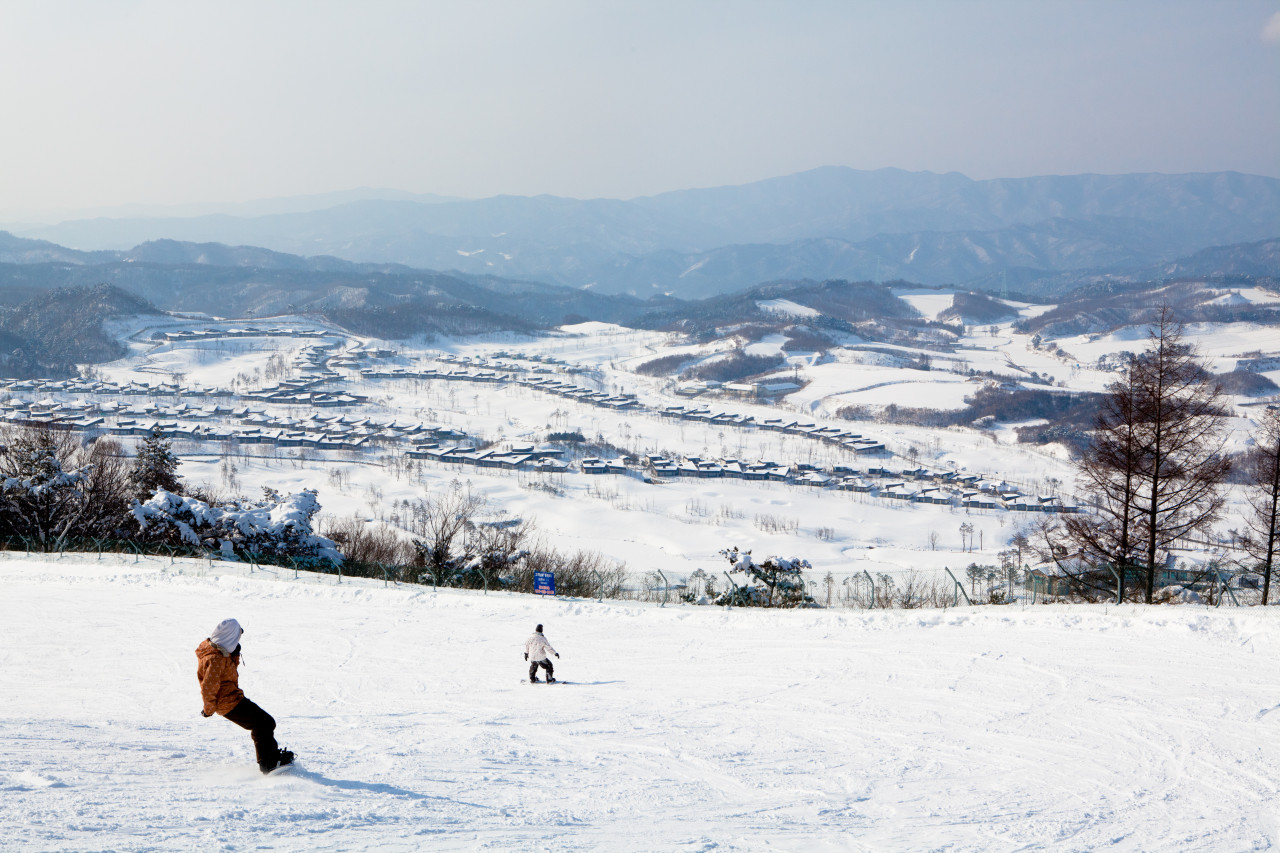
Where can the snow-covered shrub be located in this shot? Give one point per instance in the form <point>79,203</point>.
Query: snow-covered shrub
<point>274,527</point>
<point>55,491</point>
<point>773,582</point>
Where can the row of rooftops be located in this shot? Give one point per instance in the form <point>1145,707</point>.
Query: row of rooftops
<point>830,434</point>
<point>98,386</point>
<point>208,334</point>
<point>545,459</point>
<point>300,392</point>
<point>503,360</point>
<point>548,459</point>
<point>342,431</point>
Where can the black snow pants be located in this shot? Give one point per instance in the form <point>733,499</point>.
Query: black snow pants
<point>545,664</point>
<point>262,727</point>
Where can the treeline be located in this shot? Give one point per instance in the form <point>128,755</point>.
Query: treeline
<point>844,306</point>
<point>48,335</point>
<point>426,317</point>
<point>1107,306</point>
<point>1069,415</point>
<point>733,367</point>
<point>977,308</point>
<point>729,367</point>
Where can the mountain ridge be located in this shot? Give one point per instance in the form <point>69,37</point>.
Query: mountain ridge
<point>648,244</point>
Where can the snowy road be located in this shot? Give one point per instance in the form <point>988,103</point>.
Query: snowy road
<point>990,729</point>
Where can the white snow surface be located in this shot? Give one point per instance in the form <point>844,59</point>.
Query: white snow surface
<point>787,308</point>
<point>1065,728</point>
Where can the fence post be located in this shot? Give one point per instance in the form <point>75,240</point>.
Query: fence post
<point>599,586</point>
<point>1119,583</point>
<point>666,588</point>
<point>872,606</point>
<point>1225,587</point>
<point>959,590</point>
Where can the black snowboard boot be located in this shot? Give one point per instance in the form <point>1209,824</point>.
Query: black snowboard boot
<point>550,680</point>
<point>283,758</point>
<point>535,680</point>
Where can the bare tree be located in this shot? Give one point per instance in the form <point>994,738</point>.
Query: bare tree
<point>368,542</point>
<point>107,487</point>
<point>1181,421</point>
<point>1108,472</point>
<point>1155,468</point>
<point>1262,474</point>
<point>438,523</point>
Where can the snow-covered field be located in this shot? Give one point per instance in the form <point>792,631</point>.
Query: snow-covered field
<point>1064,728</point>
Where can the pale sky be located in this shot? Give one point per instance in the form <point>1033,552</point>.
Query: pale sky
<point>111,103</point>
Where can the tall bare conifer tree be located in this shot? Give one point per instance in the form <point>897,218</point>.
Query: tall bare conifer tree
<point>1109,473</point>
<point>1263,478</point>
<point>1155,468</point>
<point>1181,419</point>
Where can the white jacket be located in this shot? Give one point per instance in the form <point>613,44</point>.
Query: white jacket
<point>537,647</point>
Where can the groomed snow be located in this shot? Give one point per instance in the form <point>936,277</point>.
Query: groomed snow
<point>1065,728</point>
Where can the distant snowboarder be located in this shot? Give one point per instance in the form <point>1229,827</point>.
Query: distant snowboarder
<point>535,652</point>
<point>218,659</point>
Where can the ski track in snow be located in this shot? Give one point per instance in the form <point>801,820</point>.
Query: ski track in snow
<point>991,729</point>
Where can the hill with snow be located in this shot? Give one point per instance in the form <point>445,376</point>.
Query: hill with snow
<point>1064,728</point>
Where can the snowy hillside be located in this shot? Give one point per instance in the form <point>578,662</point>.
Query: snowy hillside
<point>1058,728</point>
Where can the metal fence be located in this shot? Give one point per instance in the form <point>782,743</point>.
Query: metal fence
<point>860,590</point>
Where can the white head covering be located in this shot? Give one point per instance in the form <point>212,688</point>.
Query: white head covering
<point>227,635</point>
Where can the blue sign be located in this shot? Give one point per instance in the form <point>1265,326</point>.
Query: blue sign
<point>544,583</point>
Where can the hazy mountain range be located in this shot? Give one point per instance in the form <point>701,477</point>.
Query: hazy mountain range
<point>1033,234</point>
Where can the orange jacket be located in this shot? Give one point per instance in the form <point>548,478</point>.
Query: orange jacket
<point>219,685</point>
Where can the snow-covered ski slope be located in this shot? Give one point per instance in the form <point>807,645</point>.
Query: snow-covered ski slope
<point>988,729</point>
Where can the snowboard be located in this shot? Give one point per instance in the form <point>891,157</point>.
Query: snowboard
<point>557,681</point>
